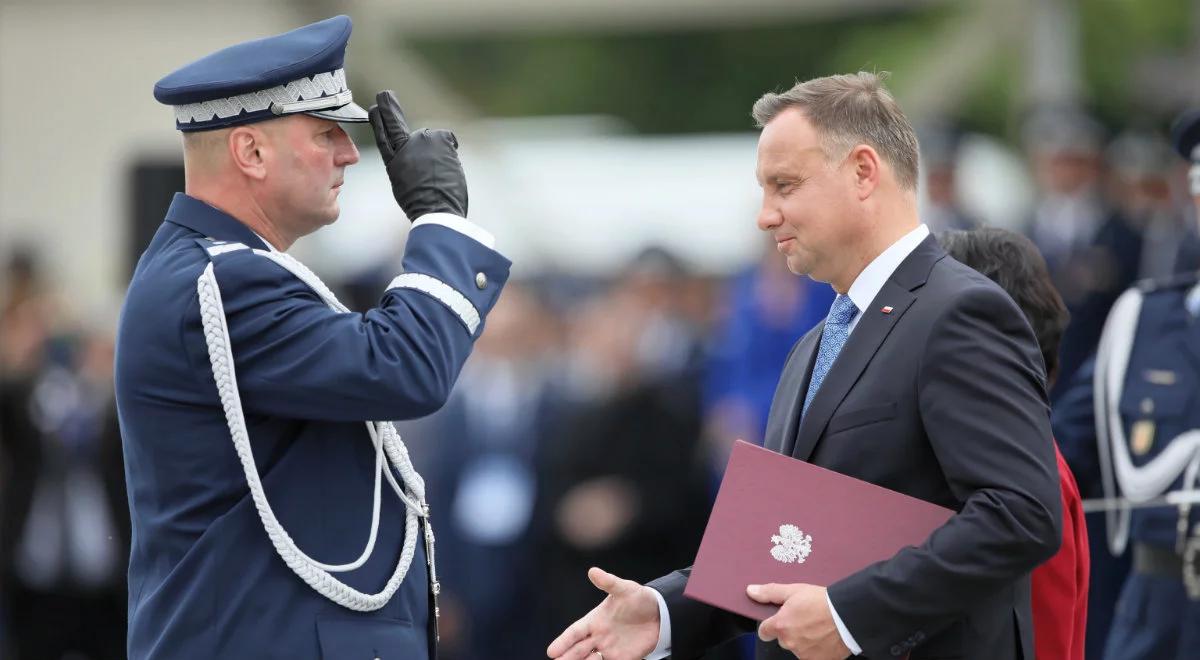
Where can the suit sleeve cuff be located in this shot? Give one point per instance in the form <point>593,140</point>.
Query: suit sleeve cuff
<point>844,632</point>
<point>664,629</point>
<point>460,225</point>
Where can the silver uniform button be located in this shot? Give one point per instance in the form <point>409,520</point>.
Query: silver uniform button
<point>480,280</point>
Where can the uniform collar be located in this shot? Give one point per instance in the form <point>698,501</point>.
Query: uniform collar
<point>187,211</point>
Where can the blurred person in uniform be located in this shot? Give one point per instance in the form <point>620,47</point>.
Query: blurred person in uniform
<point>64,525</point>
<point>251,400</point>
<point>667,300</point>
<point>1141,166</point>
<point>480,456</point>
<point>1092,251</point>
<point>1060,586</point>
<point>763,310</point>
<point>1073,421</point>
<point>626,477</point>
<point>1142,432</point>
<point>939,160</point>
<point>26,312</point>
<point>65,521</point>
<point>24,334</point>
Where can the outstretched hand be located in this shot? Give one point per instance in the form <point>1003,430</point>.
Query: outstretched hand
<point>624,626</point>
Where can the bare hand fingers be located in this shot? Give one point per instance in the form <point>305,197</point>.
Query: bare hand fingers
<point>768,630</point>
<point>604,581</point>
<point>772,593</point>
<point>581,651</point>
<point>575,633</point>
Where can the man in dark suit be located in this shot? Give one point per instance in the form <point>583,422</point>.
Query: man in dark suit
<point>925,378</point>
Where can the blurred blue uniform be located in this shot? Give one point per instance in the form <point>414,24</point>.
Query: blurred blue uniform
<point>217,327</point>
<point>753,341</point>
<point>1158,400</point>
<point>1073,419</point>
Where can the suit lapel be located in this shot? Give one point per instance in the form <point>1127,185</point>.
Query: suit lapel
<point>790,393</point>
<point>873,327</point>
<point>868,335</point>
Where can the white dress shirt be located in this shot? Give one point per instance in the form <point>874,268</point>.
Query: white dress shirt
<point>862,292</point>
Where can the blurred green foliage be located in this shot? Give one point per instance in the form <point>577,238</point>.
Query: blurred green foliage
<point>1115,34</point>
<point>706,80</point>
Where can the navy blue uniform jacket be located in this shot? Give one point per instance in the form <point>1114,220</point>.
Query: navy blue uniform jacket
<point>204,580</point>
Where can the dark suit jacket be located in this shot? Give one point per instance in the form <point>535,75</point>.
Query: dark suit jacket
<point>943,399</point>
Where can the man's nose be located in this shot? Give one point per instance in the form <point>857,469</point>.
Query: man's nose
<point>769,217</point>
<point>348,153</point>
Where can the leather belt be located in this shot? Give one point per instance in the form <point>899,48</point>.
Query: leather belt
<point>1153,560</point>
<point>1161,562</point>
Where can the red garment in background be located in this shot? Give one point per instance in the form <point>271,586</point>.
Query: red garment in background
<point>1060,585</point>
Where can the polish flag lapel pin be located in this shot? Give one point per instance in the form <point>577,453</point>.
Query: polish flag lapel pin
<point>887,309</point>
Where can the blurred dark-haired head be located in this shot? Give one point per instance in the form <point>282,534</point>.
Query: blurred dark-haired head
<point>1013,262</point>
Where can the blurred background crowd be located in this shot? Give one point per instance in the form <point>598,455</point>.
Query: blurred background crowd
<point>609,147</point>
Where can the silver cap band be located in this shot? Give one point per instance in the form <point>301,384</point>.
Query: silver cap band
<point>324,90</point>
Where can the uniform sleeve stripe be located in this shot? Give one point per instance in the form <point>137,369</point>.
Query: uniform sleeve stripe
<point>460,225</point>
<point>444,293</point>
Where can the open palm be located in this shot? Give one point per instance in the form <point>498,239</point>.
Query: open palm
<point>624,626</point>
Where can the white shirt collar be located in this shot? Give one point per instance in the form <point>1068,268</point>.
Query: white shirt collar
<point>868,283</point>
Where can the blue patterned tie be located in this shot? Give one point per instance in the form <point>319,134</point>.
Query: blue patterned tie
<point>833,338</point>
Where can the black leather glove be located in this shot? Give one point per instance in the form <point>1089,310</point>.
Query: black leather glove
<point>423,165</point>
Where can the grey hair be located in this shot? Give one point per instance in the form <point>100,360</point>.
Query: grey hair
<point>849,110</point>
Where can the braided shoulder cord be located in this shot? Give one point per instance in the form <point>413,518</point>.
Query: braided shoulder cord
<point>1137,484</point>
<point>383,436</point>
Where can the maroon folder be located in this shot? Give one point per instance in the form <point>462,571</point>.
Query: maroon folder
<point>778,519</point>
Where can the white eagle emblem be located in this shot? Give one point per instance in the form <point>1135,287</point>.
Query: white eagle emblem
<point>792,546</point>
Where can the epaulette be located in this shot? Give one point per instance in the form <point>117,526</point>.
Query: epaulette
<point>1183,280</point>
<point>215,248</point>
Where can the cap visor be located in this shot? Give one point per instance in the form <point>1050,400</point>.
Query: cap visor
<point>351,113</point>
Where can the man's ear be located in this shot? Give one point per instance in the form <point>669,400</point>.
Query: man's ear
<point>248,147</point>
<point>867,168</point>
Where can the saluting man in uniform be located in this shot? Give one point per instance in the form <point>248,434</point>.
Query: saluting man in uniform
<point>1145,395</point>
<point>274,514</point>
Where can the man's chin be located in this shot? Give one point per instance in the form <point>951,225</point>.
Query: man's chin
<point>334,213</point>
<point>798,267</point>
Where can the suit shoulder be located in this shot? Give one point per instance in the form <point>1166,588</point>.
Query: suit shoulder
<point>960,284</point>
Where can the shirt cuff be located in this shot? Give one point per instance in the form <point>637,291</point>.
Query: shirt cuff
<point>664,628</point>
<point>460,225</point>
<point>847,638</point>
